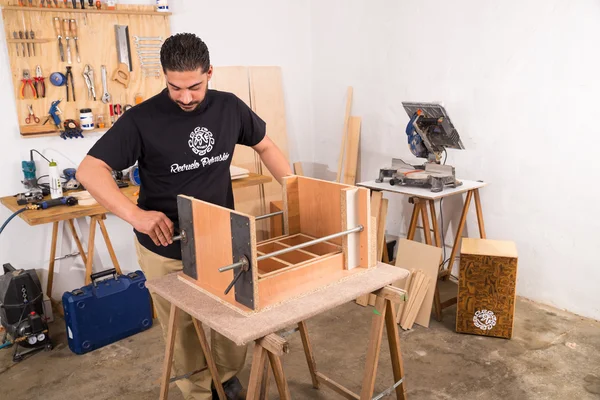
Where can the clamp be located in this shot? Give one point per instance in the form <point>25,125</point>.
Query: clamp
<point>27,82</point>
<point>88,75</point>
<point>31,116</point>
<point>69,76</point>
<point>40,86</point>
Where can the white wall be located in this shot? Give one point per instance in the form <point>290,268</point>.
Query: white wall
<point>265,32</point>
<point>519,79</point>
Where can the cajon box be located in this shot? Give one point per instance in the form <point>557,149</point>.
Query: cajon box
<point>487,288</point>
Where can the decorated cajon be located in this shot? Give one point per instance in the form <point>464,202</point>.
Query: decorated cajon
<point>328,236</point>
<point>487,288</point>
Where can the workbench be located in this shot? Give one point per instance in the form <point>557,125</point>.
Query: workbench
<point>421,198</point>
<point>97,214</point>
<point>262,328</point>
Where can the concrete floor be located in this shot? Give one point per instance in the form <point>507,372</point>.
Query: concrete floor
<point>553,355</point>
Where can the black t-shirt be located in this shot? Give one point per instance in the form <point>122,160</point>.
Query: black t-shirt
<point>180,152</point>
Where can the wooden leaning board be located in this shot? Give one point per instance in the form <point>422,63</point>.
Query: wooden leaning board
<point>217,237</point>
<point>97,47</point>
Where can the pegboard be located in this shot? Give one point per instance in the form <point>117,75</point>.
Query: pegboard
<point>97,46</point>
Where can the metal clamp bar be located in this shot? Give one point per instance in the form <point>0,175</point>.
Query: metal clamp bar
<point>359,228</point>
<point>273,214</point>
<point>388,390</point>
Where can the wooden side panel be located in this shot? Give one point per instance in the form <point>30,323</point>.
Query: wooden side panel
<point>356,211</point>
<point>319,206</point>
<point>212,236</point>
<point>277,221</point>
<point>486,295</point>
<point>307,278</point>
<point>291,206</point>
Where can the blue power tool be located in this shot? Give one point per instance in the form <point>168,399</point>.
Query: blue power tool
<point>61,201</point>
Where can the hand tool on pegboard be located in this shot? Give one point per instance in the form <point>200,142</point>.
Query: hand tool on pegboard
<point>21,36</point>
<point>121,74</point>
<point>57,30</point>
<point>28,44</point>
<point>88,75</point>
<point>32,35</point>
<point>69,76</point>
<point>16,36</point>
<point>31,117</point>
<point>73,25</point>
<point>53,114</point>
<point>26,81</point>
<point>66,31</point>
<point>105,95</point>
<point>40,86</point>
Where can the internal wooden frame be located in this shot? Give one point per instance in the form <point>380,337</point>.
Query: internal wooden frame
<point>312,209</point>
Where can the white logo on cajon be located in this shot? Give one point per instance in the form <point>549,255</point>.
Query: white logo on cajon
<point>484,320</point>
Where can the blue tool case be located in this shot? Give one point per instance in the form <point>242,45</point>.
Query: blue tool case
<point>107,310</point>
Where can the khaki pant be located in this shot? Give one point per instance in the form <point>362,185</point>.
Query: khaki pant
<point>188,355</point>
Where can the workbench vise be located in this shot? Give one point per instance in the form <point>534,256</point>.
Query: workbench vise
<point>429,133</point>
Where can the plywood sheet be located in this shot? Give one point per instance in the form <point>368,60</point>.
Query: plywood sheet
<point>419,256</point>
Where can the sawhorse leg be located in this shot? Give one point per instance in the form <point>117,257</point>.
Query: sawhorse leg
<point>384,317</point>
<point>168,360</point>
<point>99,219</point>
<point>267,350</point>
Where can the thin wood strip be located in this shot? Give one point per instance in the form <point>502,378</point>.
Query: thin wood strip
<point>381,228</point>
<point>52,257</point>
<point>414,305</point>
<point>376,201</point>
<point>425,220</point>
<point>351,161</point>
<point>415,285</point>
<point>310,358</point>
<point>418,302</point>
<point>403,305</point>
<point>336,387</point>
<point>77,241</point>
<point>298,170</point>
<point>170,345</point>
<point>344,133</point>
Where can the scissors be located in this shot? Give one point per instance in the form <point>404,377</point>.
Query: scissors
<point>31,116</point>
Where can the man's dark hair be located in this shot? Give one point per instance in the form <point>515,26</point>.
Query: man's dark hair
<point>184,52</point>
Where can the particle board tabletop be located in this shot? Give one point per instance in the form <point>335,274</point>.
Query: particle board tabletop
<point>242,329</point>
<point>63,213</point>
<point>423,193</point>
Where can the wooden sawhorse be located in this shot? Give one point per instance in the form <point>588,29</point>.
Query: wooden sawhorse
<point>261,329</point>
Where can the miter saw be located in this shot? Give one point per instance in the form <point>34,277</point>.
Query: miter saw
<point>429,132</point>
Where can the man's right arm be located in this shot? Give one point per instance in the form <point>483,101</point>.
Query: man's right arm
<point>96,176</point>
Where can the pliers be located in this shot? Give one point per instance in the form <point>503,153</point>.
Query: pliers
<point>27,82</point>
<point>31,116</point>
<point>40,86</point>
<point>69,76</point>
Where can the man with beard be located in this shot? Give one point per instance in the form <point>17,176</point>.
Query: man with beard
<point>183,140</point>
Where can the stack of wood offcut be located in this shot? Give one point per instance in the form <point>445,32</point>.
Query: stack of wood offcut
<point>423,262</point>
<point>348,159</point>
<point>261,88</point>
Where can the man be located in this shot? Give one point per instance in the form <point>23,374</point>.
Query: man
<point>183,140</point>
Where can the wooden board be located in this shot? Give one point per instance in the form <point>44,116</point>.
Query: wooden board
<point>96,40</point>
<point>487,288</point>
<point>352,149</point>
<point>426,258</point>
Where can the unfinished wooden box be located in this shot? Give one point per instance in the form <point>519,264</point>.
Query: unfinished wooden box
<point>214,238</point>
<point>487,288</point>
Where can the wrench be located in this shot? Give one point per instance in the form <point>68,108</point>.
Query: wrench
<point>157,46</point>
<point>106,95</point>
<point>155,38</point>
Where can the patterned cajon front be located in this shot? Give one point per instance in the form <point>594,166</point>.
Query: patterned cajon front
<point>487,288</point>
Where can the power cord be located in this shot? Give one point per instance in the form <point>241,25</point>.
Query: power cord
<point>11,217</point>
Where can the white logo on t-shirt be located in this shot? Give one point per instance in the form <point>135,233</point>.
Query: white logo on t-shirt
<point>201,141</point>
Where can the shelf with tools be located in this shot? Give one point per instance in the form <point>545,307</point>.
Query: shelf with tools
<point>54,55</point>
<point>86,10</point>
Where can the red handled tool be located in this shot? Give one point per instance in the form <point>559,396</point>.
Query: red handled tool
<point>27,82</point>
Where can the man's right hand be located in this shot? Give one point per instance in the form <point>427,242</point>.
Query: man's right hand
<point>156,225</point>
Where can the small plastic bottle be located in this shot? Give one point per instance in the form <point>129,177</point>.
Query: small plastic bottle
<point>86,119</point>
<point>111,4</point>
<point>162,6</point>
<point>55,185</point>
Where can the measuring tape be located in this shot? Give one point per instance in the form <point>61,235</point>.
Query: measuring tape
<point>57,79</point>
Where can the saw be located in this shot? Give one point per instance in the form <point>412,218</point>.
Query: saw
<point>122,72</point>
